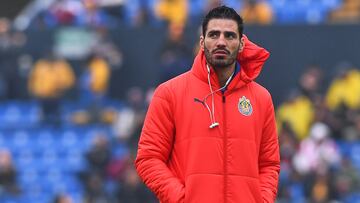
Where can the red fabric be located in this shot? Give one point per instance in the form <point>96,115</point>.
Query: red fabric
<point>182,160</point>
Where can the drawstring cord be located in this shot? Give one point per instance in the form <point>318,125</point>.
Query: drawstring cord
<point>212,111</point>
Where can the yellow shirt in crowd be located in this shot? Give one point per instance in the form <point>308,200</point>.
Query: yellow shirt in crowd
<point>100,73</point>
<point>299,114</point>
<point>345,90</point>
<point>174,11</point>
<point>49,79</point>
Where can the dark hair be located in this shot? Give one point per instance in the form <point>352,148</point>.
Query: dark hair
<point>223,12</point>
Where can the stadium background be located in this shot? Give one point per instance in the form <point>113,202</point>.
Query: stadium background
<point>76,77</point>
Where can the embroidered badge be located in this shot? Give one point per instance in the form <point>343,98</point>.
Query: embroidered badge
<point>244,106</point>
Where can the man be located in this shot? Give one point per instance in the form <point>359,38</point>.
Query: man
<point>209,134</point>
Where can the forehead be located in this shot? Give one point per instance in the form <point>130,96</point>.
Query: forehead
<point>224,25</point>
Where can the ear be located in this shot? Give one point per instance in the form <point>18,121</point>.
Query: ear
<point>202,41</point>
<point>242,44</point>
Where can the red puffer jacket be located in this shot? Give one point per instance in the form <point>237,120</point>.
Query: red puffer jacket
<point>181,159</point>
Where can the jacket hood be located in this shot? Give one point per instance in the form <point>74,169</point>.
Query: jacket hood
<point>251,60</point>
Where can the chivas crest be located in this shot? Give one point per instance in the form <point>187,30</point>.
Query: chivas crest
<point>244,106</point>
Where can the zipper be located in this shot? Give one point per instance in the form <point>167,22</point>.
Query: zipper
<point>225,147</point>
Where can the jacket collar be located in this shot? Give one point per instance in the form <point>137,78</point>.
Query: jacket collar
<point>251,60</point>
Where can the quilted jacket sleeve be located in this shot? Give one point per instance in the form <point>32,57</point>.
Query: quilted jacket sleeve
<point>269,157</point>
<point>154,148</point>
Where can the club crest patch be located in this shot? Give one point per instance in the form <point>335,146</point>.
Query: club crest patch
<point>244,106</point>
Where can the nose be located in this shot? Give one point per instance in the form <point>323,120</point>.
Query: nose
<point>221,41</point>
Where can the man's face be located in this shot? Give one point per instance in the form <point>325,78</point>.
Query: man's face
<point>222,43</point>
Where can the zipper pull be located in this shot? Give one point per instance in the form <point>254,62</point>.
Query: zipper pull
<point>223,98</point>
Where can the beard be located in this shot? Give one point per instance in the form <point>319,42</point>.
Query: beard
<point>221,62</point>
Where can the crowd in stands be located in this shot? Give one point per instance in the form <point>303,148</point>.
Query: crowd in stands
<point>62,138</point>
<point>113,13</point>
<point>319,138</point>
<point>75,143</point>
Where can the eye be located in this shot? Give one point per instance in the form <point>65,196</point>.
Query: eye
<point>213,34</point>
<point>230,35</point>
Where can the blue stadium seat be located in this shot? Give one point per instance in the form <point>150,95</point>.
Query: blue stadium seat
<point>331,4</point>
<point>28,176</point>
<point>68,184</point>
<point>34,193</point>
<point>120,150</point>
<point>75,160</point>
<point>344,148</point>
<point>316,13</point>
<point>9,198</point>
<point>355,154</point>
<point>290,13</point>
<point>353,198</point>
<point>19,114</point>
<point>9,115</point>
<point>45,139</point>
<point>25,158</point>
<point>237,5</point>
<point>49,159</point>
<point>77,197</point>
<point>196,9</point>
<point>70,139</point>
<point>4,143</point>
<point>20,139</point>
<point>302,11</point>
<point>297,193</point>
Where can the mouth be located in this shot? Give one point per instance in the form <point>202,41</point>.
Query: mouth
<point>221,53</point>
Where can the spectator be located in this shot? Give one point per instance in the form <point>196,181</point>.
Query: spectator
<point>115,8</point>
<point>290,188</point>
<point>4,49</point>
<point>293,189</point>
<point>62,12</point>
<point>12,85</point>
<point>347,179</point>
<point>98,158</point>
<point>140,13</point>
<point>348,12</point>
<point>352,132</point>
<point>95,79</point>
<point>210,4</point>
<point>324,115</point>
<point>49,81</point>
<point>128,125</point>
<point>288,144</point>
<point>132,190</point>
<point>108,49</point>
<point>321,189</point>
<point>341,91</point>
<point>310,82</point>
<point>174,12</point>
<point>63,198</point>
<point>8,174</point>
<point>318,153</point>
<point>257,12</point>
<point>92,15</point>
<point>5,37</point>
<point>95,189</point>
<point>93,85</point>
<point>174,53</point>
<point>298,113</point>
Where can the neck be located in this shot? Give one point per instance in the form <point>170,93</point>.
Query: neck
<point>224,73</point>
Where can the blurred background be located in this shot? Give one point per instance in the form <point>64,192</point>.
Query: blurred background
<point>76,77</point>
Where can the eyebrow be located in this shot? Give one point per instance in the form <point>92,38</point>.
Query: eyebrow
<point>225,32</point>
<point>218,31</point>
